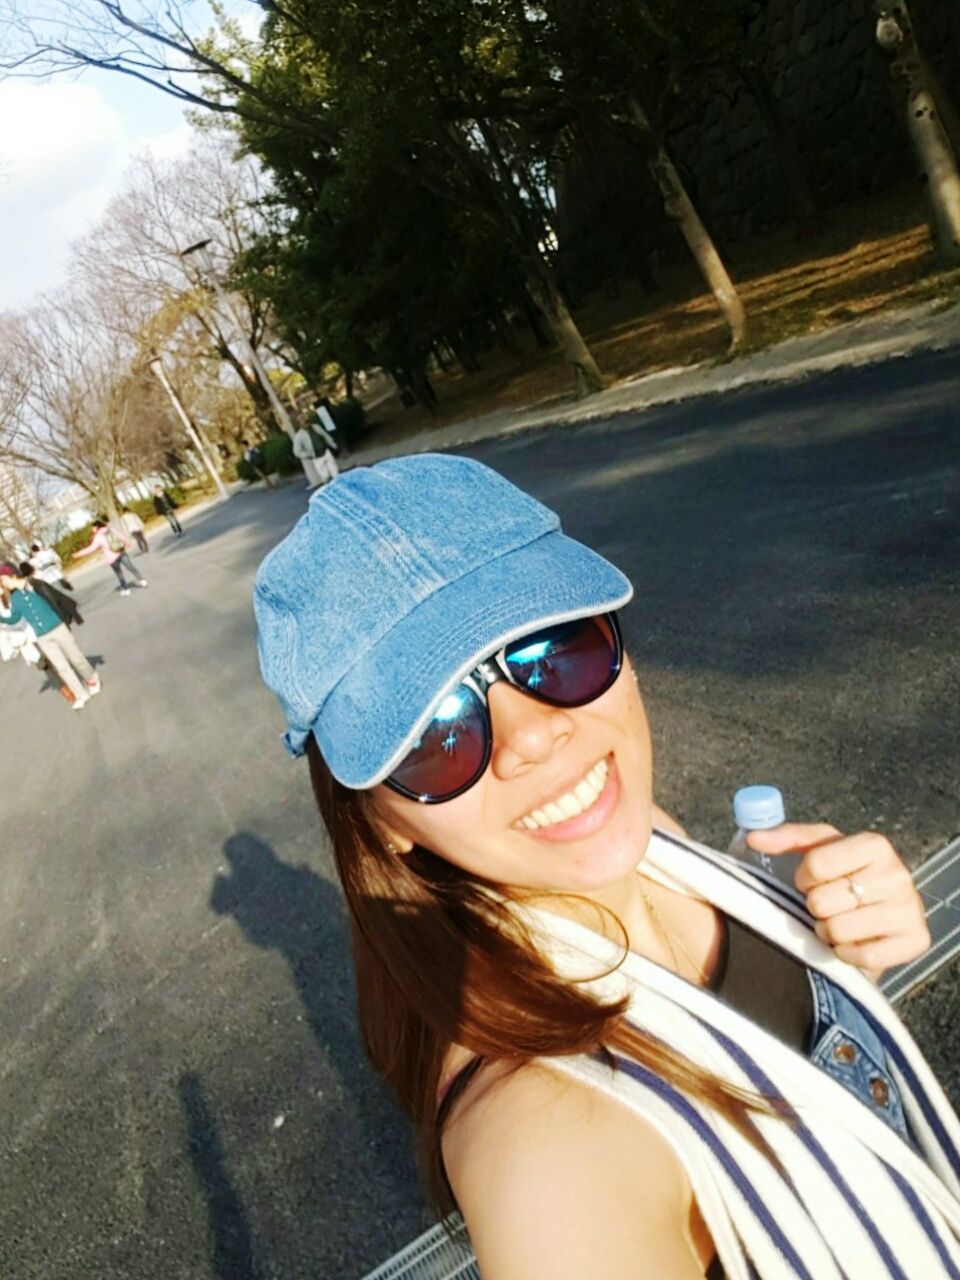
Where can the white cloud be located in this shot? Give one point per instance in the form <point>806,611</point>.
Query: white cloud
<point>63,152</point>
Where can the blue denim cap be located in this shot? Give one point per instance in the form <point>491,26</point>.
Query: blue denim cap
<point>396,582</point>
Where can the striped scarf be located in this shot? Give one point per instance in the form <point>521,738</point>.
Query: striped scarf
<point>851,1200</point>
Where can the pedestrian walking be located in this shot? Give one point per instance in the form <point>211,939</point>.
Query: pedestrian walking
<point>255,460</point>
<point>317,458</point>
<point>325,426</point>
<point>113,544</point>
<point>64,606</point>
<point>164,505</point>
<point>626,1054</point>
<point>48,566</point>
<point>53,637</point>
<point>303,448</point>
<point>133,527</point>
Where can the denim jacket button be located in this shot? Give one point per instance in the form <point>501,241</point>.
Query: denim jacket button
<point>845,1052</point>
<point>880,1091</point>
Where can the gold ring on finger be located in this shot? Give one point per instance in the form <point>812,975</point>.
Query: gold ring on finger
<point>856,888</point>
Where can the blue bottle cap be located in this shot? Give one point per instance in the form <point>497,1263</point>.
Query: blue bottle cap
<point>758,808</point>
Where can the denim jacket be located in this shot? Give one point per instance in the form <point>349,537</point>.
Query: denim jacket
<point>844,1044</point>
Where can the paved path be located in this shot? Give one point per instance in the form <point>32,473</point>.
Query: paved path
<point>183,1091</point>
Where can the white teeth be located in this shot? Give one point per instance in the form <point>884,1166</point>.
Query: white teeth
<point>583,795</point>
<point>570,805</point>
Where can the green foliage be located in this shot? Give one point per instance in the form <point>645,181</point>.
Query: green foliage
<point>73,541</point>
<point>350,420</point>
<point>143,507</point>
<point>415,149</point>
<point>278,458</point>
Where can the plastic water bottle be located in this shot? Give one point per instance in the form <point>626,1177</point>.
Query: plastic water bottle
<point>760,808</point>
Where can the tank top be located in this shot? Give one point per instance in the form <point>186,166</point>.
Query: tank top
<point>769,987</point>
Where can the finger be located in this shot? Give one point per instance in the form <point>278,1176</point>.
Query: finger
<point>864,924</point>
<point>792,837</point>
<point>833,897</point>
<point>857,855</point>
<point>882,953</point>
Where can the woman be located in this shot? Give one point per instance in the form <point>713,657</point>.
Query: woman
<point>64,606</point>
<point>133,527</point>
<point>113,549</point>
<point>53,637</point>
<point>626,1055</point>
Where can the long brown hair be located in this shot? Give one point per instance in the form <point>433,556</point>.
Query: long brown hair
<point>440,960</point>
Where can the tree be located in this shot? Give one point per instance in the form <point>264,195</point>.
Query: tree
<point>21,507</point>
<point>931,146</point>
<point>134,253</point>
<point>617,64</point>
<point>400,70</point>
<point>75,407</point>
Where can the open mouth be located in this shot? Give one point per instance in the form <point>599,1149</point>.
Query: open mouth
<point>572,803</point>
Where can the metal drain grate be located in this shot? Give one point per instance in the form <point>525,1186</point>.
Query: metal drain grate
<point>438,1254</point>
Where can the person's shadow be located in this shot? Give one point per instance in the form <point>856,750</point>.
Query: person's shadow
<point>235,1251</point>
<point>52,680</point>
<point>296,912</point>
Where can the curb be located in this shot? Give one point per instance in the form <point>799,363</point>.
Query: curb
<point>860,343</point>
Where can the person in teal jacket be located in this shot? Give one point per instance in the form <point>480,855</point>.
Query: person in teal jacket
<point>53,637</point>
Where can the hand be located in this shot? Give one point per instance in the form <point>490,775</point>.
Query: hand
<point>886,925</point>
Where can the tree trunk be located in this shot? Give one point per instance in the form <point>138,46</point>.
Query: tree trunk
<point>679,207</point>
<point>949,116</point>
<point>587,377</point>
<point>465,352</point>
<point>791,166</point>
<point>938,164</point>
<point>541,278</point>
<point>535,319</point>
<point>504,332</point>
<point>422,388</point>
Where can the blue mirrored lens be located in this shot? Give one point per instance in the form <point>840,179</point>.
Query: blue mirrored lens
<point>569,664</point>
<point>451,752</point>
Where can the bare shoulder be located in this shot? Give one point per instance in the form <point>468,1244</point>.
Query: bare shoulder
<point>554,1178</point>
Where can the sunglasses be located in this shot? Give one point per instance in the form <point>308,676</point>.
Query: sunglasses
<point>565,665</point>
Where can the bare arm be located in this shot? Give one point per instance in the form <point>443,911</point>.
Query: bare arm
<point>555,1179</point>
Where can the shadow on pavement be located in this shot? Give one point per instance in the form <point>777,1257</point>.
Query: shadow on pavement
<point>268,513</point>
<point>234,1252</point>
<point>51,681</point>
<point>297,913</point>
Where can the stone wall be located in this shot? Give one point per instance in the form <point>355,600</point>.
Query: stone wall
<point>831,84</point>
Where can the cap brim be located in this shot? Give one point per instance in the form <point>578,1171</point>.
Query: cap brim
<point>374,715</point>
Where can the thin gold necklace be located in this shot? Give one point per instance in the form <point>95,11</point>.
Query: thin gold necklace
<point>668,939</point>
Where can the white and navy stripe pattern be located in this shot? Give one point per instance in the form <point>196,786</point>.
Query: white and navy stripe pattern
<point>845,1197</point>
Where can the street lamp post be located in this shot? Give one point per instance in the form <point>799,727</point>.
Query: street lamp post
<point>156,365</point>
<point>279,412</point>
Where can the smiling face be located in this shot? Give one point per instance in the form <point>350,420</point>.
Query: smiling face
<point>564,805</point>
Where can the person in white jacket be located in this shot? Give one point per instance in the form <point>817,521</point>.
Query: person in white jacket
<point>318,468</point>
<point>48,566</point>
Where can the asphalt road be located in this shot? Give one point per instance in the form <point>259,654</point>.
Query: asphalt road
<point>183,1092</point>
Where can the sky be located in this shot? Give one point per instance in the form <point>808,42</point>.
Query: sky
<point>64,147</point>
